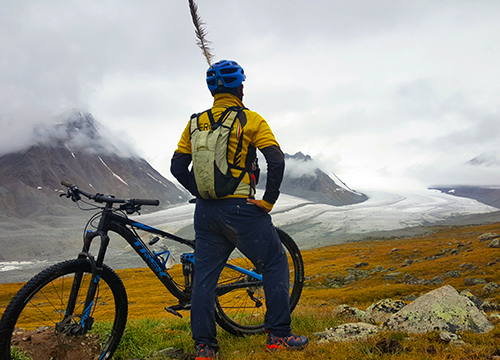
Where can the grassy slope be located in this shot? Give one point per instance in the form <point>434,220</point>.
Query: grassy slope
<point>151,328</point>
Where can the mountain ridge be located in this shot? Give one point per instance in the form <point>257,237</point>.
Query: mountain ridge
<point>76,152</point>
<point>304,178</point>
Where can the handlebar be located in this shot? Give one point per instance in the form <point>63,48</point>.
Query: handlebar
<point>74,192</point>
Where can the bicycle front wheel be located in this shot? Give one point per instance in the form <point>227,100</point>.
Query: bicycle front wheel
<point>241,311</point>
<point>38,315</point>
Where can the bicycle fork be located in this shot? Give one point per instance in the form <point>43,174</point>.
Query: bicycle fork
<point>68,325</point>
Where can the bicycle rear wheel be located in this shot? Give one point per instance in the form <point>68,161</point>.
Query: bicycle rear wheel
<point>37,315</point>
<point>241,311</point>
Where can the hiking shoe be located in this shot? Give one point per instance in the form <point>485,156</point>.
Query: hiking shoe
<point>204,352</point>
<point>292,342</point>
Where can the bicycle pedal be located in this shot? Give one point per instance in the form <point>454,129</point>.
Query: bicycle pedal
<point>173,309</point>
<point>173,312</point>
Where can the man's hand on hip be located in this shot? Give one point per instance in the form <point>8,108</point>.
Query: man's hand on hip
<point>259,204</point>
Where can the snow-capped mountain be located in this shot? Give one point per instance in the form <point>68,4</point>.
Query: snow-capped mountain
<point>489,162</point>
<point>76,151</point>
<point>303,178</point>
<point>489,158</point>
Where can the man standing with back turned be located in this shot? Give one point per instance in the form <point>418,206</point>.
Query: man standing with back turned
<point>227,215</point>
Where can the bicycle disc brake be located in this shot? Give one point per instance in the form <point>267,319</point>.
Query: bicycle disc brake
<point>72,326</point>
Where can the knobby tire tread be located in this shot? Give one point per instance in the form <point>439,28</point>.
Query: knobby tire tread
<point>18,303</point>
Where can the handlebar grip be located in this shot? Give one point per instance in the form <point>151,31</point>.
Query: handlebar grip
<point>147,202</point>
<point>66,183</point>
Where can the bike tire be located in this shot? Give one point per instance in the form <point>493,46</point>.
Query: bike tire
<point>35,310</point>
<point>241,311</point>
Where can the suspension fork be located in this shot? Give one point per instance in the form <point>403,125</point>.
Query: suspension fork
<point>85,319</point>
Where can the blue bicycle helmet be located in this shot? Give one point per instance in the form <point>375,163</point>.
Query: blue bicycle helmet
<point>225,73</point>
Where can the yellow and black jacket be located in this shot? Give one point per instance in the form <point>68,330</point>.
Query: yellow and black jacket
<point>253,132</point>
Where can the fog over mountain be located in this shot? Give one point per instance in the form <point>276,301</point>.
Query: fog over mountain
<point>78,151</point>
<point>489,195</point>
<point>489,158</point>
<point>304,178</point>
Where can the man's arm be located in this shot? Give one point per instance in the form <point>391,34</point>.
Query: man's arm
<point>179,167</point>
<point>275,169</point>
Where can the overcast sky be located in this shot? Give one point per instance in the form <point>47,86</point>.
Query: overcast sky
<point>383,93</point>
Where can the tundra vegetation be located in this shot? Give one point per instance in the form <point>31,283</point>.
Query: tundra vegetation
<point>353,276</point>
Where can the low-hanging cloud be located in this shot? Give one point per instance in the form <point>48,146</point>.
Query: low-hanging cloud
<point>374,89</point>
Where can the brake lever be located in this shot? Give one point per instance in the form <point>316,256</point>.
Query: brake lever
<point>130,208</point>
<point>70,194</point>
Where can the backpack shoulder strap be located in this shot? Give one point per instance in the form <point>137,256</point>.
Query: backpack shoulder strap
<point>194,122</point>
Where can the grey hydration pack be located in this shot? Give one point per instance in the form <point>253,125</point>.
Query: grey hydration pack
<point>209,148</point>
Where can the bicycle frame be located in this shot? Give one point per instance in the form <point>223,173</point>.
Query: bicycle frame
<point>126,228</point>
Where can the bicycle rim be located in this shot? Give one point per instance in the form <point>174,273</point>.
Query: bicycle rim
<point>36,316</point>
<point>242,311</point>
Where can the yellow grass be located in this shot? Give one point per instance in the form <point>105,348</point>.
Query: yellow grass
<point>148,298</point>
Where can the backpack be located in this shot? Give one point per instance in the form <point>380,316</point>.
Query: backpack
<point>209,149</point>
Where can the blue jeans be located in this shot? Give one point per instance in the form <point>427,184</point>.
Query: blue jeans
<point>220,226</point>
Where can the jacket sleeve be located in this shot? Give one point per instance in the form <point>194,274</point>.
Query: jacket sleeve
<point>179,167</point>
<point>275,169</point>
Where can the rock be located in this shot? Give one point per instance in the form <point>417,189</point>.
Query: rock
<point>407,262</point>
<point>377,268</point>
<point>410,279</point>
<point>495,243</point>
<point>392,276</point>
<point>347,332</point>
<point>442,309</point>
<point>389,346</point>
<point>487,236</point>
<point>355,275</point>
<point>490,288</point>
<point>352,314</point>
<point>336,282</point>
<point>467,266</point>
<point>477,301</point>
<point>431,350</point>
<point>488,306</point>
<point>447,336</point>
<point>452,273</point>
<point>410,298</point>
<point>383,309</point>
<point>436,281</point>
<point>474,281</point>
<point>458,343</point>
<point>361,264</point>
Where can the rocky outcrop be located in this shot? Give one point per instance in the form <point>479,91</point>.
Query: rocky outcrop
<point>440,309</point>
<point>383,309</point>
<point>347,332</point>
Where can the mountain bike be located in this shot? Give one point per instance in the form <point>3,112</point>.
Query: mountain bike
<point>84,302</point>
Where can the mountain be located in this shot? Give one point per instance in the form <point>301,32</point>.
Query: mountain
<point>76,151</point>
<point>486,195</point>
<point>303,178</point>
<point>489,158</point>
<point>487,164</point>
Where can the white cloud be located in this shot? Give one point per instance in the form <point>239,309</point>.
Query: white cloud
<point>378,91</point>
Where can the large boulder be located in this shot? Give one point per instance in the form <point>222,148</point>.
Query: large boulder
<point>443,309</point>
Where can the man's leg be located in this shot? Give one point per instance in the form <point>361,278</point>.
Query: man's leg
<point>211,253</point>
<point>254,234</point>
